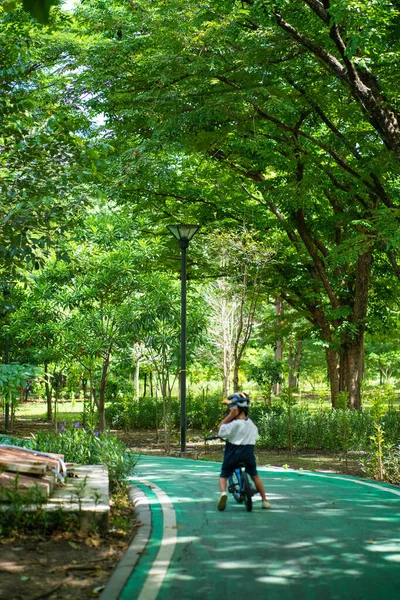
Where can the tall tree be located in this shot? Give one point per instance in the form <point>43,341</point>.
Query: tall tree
<point>236,296</point>
<point>309,156</point>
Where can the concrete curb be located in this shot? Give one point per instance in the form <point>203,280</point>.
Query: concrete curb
<point>85,495</point>
<point>124,568</point>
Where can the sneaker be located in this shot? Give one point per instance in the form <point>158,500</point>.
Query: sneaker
<point>265,504</point>
<point>222,501</point>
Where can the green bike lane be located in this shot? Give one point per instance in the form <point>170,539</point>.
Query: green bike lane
<point>326,536</point>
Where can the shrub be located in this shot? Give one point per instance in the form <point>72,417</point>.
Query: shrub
<point>325,429</point>
<point>87,447</point>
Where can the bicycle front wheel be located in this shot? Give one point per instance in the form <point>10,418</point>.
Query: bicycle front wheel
<point>246,492</point>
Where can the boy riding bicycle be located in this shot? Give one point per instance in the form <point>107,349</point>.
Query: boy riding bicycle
<point>240,434</point>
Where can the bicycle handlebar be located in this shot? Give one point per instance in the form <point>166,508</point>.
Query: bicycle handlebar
<point>213,437</point>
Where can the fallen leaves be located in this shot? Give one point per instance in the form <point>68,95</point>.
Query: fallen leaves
<point>68,564</point>
<point>96,591</point>
<point>93,541</point>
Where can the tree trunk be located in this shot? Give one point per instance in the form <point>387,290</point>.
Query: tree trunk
<point>236,376</point>
<point>137,373</point>
<point>332,361</point>
<point>106,364</point>
<point>350,356</point>
<point>345,370</point>
<point>226,371</point>
<point>144,385</point>
<point>354,350</point>
<point>294,363</point>
<point>352,376</point>
<point>299,349</point>
<point>47,387</point>
<point>84,388</point>
<point>279,344</point>
<point>166,413</point>
<point>56,409</point>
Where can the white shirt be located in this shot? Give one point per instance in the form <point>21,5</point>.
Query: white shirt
<point>239,432</point>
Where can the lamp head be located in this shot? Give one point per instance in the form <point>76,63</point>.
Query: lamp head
<point>183,233</point>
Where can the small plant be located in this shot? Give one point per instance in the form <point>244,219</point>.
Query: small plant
<point>78,493</point>
<point>374,464</point>
<point>391,463</point>
<point>25,512</point>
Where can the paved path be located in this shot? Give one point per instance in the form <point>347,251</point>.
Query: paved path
<point>326,537</point>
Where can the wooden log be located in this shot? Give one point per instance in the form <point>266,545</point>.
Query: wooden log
<point>19,454</point>
<point>20,466</point>
<point>29,451</point>
<point>23,486</point>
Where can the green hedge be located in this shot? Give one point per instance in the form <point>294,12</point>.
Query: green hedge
<point>322,429</point>
<point>325,429</point>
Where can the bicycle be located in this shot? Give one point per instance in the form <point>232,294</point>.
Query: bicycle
<point>239,484</point>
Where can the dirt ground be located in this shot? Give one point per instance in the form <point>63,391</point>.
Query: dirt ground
<point>71,565</point>
<point>63,565</point>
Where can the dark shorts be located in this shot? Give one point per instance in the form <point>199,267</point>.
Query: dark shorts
<point>236,454</point>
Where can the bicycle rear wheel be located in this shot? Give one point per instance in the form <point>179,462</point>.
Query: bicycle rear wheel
<point>246,492</point>
<point>235,487</point>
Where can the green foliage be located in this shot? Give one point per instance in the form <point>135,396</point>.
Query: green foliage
<point>9,440</point>
<point>266,374</point>
<point>13,377</point>
<point>252,126</point>
<point>217,114</point>
<point>49,146</point>
<point>39,9</point>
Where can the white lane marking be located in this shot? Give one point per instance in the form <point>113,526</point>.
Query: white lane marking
<point>162,561</point>
<point>124,568</point>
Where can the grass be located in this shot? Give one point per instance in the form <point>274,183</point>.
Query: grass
<point>67,410</point>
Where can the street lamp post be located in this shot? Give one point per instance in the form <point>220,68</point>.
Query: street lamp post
<point>183,233</point>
